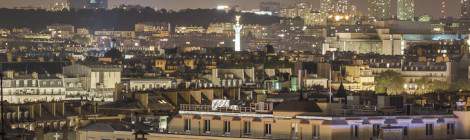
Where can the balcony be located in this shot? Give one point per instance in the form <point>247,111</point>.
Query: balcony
<point>253,108</point>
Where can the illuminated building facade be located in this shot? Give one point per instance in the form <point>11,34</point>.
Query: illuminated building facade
<point>270,6</point>
<point>238,28</point>
<point>379,9</point>
<point>336,7</point>
<point>314,18</point>
<point>88,4</point>
<point>343,7</point>
<point>292,121</point>
<point>328,6</point>
<point>406,9</point>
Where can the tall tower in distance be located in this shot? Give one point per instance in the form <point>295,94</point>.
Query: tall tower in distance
<point>238,28</point>
<point>406,9</point>
<point>465,9</point>
<point>444,9</point>
<point>379,9</point>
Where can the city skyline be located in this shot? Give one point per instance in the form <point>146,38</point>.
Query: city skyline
<point>234,69</point>
<point>422,6</point>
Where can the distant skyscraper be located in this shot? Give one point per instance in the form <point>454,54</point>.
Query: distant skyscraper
<point>379,9</point>
<point>406,9</point>
<point>444,8</point>
<point>88,4</point>
<point>238,28</point>
<point>336,7</point>
<point>343,6</point>
<point>465,9</point>
<point>328,6</point>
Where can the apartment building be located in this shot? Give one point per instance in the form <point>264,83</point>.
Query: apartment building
<point>309,120</point>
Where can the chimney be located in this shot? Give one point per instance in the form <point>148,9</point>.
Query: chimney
<point>31,111</point>
<point>18,113</point>
<point>408,109</point>
<point>95,107</point>
<point>9,57</point>
<point>35,75</point>
<point>51,106</point>
<point>61,108</point>
<point>38,110</point>
<point>9,74</point>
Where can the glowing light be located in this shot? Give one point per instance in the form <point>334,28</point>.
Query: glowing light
<point>222,7</point>
<point>338,17</point>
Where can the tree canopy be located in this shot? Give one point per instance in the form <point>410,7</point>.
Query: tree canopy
<point>123,19</point>
<point>389,82</point>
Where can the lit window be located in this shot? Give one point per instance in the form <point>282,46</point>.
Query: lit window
<point>187,125</point>
<point>405,131</point>
<point>376,130</point>
<point>450,129</point>
<point>316,131</point>
<point>207,126</point>
<point>226,127</point>
<point>267,129</point>
<point>246,127</point>
<point>429,129</point>
<point>355,131</point>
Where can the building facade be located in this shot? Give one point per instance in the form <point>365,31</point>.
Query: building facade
<point>97,79</point>
<point>30,88</point>
<point>88,4</point>
<point>299,125</point>
<point>147,84</point>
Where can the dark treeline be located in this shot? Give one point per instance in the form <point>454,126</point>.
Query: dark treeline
<point>121,19</point>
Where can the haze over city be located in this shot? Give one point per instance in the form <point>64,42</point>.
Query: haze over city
<point>422,6</point>
<point>234,69</point>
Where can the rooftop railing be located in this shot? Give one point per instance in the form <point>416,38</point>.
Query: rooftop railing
<point>253,108</point>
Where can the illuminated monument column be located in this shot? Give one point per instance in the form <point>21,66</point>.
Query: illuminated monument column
<point>238,28</point>
<point>468,44</point>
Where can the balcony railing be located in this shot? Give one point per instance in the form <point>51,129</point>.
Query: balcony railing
<point>233,109</point>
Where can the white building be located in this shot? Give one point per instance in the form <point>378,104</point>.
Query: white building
<point>314,81</point>
<point>32,87</point>
<point>98,79</point>
<point>146,84</point>
<point>232,77</point>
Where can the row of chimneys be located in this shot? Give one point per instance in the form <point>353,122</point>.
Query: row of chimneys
<point>12,74</point>
<point>36,110</point>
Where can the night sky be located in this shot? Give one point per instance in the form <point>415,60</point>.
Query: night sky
<point>431,7</point>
